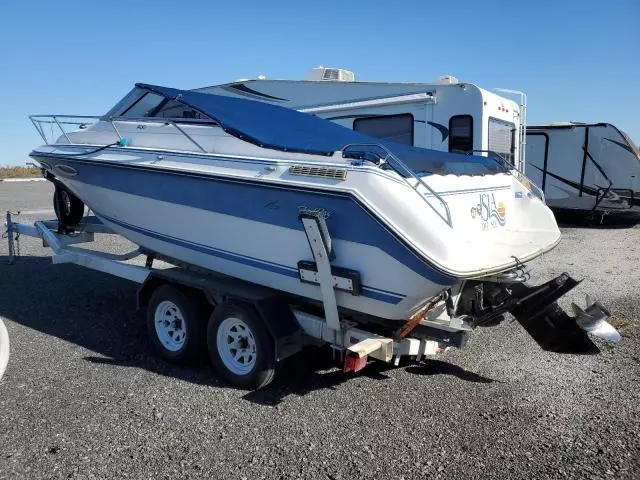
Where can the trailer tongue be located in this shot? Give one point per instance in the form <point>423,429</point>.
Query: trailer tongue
<point>252,328</point>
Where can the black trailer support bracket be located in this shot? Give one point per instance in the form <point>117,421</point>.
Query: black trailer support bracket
<point>344,279</point>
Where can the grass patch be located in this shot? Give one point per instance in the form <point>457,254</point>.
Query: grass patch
<point>19,172</point>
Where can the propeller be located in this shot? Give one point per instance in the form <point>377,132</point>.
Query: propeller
<point>593,320</point>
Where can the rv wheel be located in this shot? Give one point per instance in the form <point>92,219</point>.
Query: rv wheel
<point>240,347</point>
<point>69,208</point>
<point>175,323</point>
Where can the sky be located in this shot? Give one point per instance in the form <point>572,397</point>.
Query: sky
<point>576,60</point>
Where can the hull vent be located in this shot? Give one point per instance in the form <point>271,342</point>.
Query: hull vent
<point>321,172</point>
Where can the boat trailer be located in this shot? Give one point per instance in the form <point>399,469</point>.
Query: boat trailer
<point>353,345</point>
<point>479,302</point>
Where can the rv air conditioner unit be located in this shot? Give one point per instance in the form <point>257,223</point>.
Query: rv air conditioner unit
<point>447,80</point>
<point>322,74</point>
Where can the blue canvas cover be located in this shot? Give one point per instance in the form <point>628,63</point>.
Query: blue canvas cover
<point>275,127</point>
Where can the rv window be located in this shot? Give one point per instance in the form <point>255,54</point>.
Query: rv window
<point>461,133</point>
<point>502,138</point>
<point>397,128</point>
<point>174,109</point>
<point>144,106</point>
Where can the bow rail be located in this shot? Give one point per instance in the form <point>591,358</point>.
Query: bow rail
<point>40,121</point>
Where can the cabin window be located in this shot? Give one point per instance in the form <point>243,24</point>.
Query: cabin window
<point>461,133</point>
<point>174,109</point>
<point>396,128</point>
<point>144,106</point>
<point>502,138</point>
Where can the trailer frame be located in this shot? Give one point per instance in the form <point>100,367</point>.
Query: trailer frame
<point>290,327</point>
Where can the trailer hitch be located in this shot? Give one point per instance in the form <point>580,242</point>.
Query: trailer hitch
<point>536,309</point>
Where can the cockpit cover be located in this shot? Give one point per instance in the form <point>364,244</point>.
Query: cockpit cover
<point>279,128</point>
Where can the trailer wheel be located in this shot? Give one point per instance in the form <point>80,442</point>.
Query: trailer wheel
<point>175,322</point>
<point>69,208</point>
<point>240,347</point>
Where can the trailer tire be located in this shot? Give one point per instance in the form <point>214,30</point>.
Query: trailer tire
<point>69,208</point>
<point>175,323</point>
<point>240,346</point>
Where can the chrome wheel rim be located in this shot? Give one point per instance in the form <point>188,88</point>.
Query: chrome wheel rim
<point>171,328</point>
<point>236,346</point>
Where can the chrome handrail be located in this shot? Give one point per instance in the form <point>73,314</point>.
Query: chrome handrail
<point>409,172</point>
<point>519,174</point>
<point>57,120</point>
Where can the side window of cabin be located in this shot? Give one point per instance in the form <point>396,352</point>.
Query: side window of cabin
<point>144,106</point>
<point>461,133</point>
<point>156,106</point>
<point>396,128</point>
<point>173,109</point>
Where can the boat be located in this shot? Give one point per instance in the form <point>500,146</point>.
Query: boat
<point>229,185</point>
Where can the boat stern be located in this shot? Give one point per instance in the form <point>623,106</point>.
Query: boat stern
<point>498,223</point>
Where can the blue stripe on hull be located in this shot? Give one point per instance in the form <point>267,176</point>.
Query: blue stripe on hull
<point>367,291</point>
<point>272,204</point>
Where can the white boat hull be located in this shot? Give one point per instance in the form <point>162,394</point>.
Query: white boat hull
<point>238,215</point>
<point>253,250</point>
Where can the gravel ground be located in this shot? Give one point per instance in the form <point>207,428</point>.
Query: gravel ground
<point>83,397</point>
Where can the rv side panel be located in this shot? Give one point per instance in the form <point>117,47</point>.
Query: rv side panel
<point>585,167</point>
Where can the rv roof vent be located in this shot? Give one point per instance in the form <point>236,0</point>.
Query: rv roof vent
<point>330,75</point>
<point>447,80</point>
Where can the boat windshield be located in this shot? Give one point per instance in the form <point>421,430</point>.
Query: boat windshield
<point>129,99</point>
<point>140,103</point>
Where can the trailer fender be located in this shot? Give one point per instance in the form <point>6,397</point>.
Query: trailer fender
<point>282,325</point>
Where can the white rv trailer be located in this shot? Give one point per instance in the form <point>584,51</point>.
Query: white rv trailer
<point>585,167</point>
<point>446,115</point>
